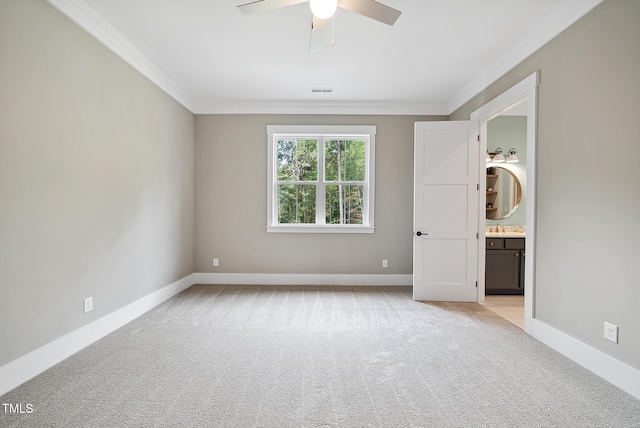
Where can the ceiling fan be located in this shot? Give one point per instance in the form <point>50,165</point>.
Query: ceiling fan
<point>322,10</point>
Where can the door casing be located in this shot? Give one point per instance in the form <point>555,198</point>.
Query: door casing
<point>526,91</point>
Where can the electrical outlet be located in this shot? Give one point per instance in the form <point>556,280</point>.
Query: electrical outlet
<point>216,262</point>
<point>611,332</point>
<point>88,304</point>
<point>385,263</point>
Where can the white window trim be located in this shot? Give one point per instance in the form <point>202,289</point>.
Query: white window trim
<point>276,131</point>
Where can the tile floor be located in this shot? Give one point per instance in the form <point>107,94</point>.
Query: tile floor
<point>510,308</point>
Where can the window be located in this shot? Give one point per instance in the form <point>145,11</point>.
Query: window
<point>320,179</point>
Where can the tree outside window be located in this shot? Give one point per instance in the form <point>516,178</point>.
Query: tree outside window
<point>321,179</point>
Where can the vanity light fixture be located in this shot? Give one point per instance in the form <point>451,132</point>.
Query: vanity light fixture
<point>498,156</point>
<point>511,156</point>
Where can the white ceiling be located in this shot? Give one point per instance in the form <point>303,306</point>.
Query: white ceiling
<point>214,59</point>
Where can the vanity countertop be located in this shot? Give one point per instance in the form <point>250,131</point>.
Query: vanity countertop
<point>505,234</point>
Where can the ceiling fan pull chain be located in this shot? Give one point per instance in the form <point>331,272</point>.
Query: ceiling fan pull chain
<point>333,30</point>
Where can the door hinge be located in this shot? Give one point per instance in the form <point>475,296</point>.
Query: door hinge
<point>477,186</point>
<point>477,235</point>
<point>476,284</point>
<point>478,137</point>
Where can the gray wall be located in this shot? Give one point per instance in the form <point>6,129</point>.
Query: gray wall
<point>507,132</point>
<point>588,202</point>
<point>97,183</point>
<point>231,173</point>
<point>96,180</point>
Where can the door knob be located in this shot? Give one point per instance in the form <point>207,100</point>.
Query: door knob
<point>420,233</point>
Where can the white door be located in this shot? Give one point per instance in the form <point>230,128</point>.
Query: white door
<point>445,220</point>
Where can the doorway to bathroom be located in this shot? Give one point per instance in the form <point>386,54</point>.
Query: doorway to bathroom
<point>505,209</point>
<point>515,107</point>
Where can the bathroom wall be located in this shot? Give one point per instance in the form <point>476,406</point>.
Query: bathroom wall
<point>507,132</point>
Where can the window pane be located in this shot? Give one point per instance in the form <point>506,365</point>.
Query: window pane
<point>344,204</point>
<point>296,204</point>
<point>297,160</point>
<point>345,160</point>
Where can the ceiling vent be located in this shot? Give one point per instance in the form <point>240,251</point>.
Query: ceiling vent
<point>321,90</point>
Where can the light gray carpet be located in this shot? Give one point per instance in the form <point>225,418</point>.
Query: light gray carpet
<point>293,356</point>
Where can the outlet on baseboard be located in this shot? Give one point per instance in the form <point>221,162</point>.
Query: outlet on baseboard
<point>216,262</point>
<point>88,304</point>
<point>385,263</point>
<point>611,332</point>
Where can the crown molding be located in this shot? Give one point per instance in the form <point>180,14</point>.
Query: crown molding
<point>89,20</point>
<point>93,23</point>
<point>322,107</point>
<point>566,15</point>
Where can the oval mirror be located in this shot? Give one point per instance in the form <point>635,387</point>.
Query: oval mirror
<point>504,193</point>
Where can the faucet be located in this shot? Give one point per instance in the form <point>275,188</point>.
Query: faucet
<point>500,224</point>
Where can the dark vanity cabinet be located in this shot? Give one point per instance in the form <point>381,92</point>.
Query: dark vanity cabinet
<point>504,272</point>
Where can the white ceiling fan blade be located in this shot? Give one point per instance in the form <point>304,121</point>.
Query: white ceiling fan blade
<point>265,5</point>
<point>318,29</point>
<point>371,9</point>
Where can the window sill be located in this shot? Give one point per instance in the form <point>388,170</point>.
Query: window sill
<point>314,228</point>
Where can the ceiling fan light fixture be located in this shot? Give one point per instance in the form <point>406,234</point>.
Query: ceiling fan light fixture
<point>323,9</point>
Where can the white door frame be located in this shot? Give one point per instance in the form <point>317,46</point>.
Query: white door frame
<point>524,91</point>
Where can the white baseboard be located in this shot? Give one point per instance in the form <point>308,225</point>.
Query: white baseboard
<point>303,279</point>
<point>30,365</point>
<point>614,371</point>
